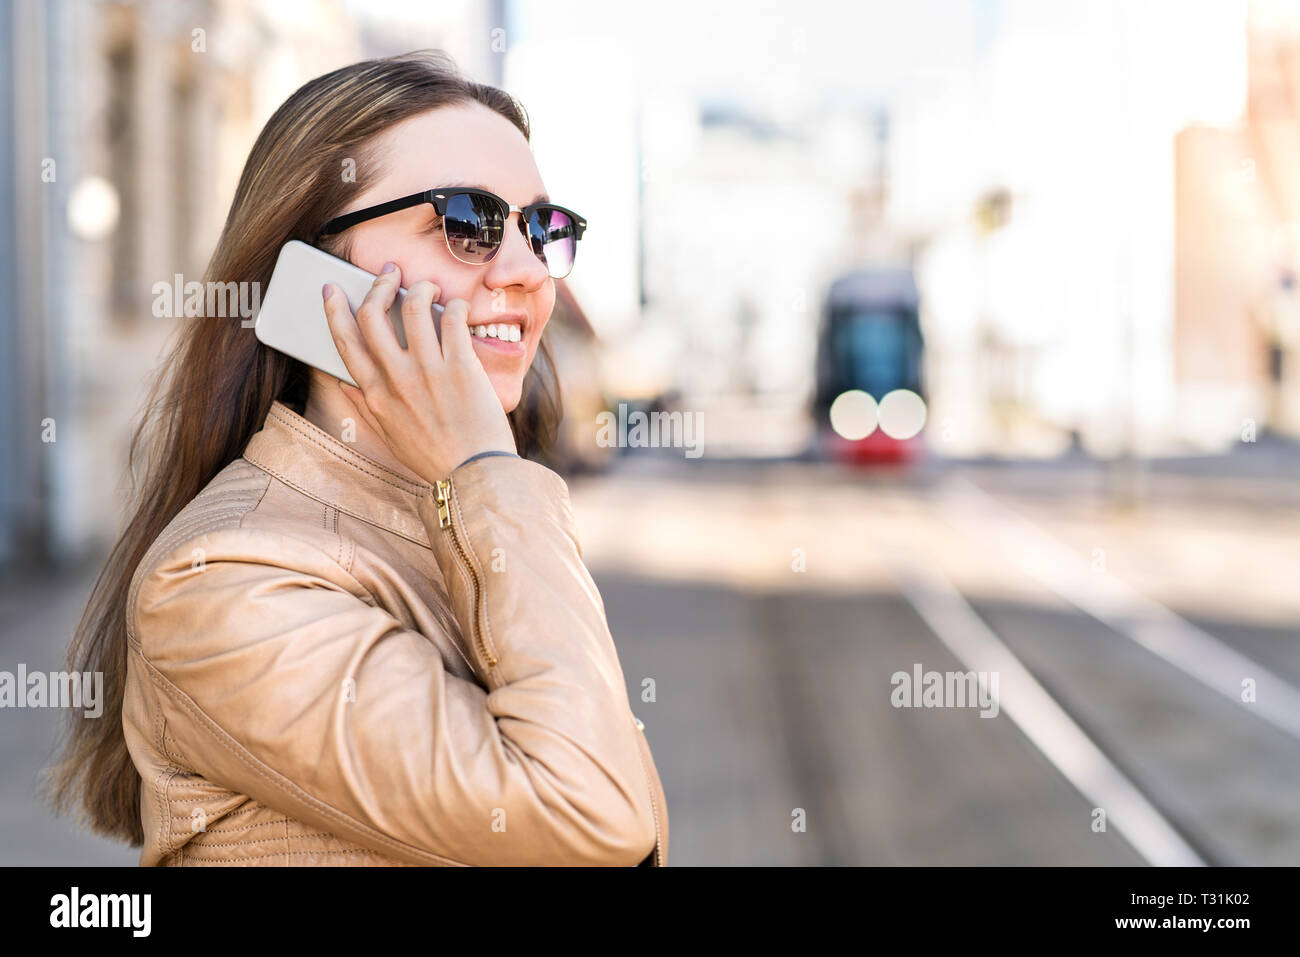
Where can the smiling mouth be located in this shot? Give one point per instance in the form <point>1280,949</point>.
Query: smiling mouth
<point>503,337</point>
<point>509,331</point>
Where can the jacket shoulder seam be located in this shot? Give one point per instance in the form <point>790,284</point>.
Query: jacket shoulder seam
<point>343,550</point>
<point>290,483</point>
<point>261,498</point>
<point>214,509</point>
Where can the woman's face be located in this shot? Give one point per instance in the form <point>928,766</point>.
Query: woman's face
<point>467,145</point>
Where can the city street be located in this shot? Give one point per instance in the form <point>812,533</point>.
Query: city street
<point>1120,638</point>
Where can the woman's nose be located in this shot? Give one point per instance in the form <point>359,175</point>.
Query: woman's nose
<point>515,262</point>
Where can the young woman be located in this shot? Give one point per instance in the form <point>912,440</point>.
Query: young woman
<point>353,626</point>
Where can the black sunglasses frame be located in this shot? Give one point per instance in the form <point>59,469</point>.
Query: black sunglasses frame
<point>437,197</point>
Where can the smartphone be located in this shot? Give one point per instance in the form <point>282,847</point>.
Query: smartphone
<point>292,316</point>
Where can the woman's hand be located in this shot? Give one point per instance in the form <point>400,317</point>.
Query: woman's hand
<point>433,404</point>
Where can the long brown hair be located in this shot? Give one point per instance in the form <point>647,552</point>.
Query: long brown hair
<point>217,383</point>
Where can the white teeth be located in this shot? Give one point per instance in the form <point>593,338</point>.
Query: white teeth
<point>504,331</point>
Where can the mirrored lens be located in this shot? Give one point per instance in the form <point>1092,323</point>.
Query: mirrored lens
<point>553,238</point>
<point>474,226</point>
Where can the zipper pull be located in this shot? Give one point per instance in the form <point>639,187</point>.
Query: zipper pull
<point>442,495</point>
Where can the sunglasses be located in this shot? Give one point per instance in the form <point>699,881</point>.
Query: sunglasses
<point>474,225</point>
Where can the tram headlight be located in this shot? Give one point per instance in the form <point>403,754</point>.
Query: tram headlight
<point>854,415</point>
<point>902,414</point>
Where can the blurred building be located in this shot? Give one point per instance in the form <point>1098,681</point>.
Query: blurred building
<point>136,120</point>
<point>1041,190</point>
<point>1238,241</point>
<point>136,117</point>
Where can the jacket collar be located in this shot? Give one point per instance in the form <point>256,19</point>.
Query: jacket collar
<point>309,459</point>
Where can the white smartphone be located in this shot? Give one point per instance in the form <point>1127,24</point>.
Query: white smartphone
<point>292,316</point>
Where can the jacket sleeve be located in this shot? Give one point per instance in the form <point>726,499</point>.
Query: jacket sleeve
<point>280,678</point>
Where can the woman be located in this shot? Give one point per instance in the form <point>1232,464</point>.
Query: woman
<point>353,626</point>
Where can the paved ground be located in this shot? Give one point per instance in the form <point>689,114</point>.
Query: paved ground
<point>37,616</point>
<point>773,685</point>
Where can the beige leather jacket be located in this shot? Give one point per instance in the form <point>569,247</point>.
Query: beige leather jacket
<point>330,664</point>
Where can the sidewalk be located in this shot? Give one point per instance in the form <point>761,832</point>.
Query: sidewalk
<point>37,616</point>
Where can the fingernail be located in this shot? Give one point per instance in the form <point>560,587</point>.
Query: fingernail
<point>325,291</point>
<point>388,267</point>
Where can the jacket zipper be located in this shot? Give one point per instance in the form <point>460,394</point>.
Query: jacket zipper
<point>443,495</point>
<point>444,491</point>
<point>654,805</point>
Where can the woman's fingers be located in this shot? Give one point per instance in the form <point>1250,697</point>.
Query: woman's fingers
<point>456,345</point>
<point>376,328</point>
<point>435,407</point>
<point>418,320</point>
<point>347,337</point>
